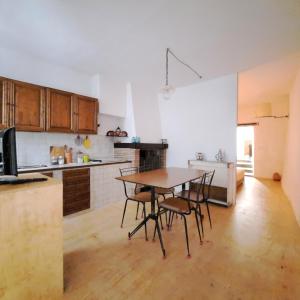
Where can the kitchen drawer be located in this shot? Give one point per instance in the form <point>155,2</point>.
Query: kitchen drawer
<point>76,196</point>
<point>76,207</point>
<point>77,181</point>
<point>76,172</point>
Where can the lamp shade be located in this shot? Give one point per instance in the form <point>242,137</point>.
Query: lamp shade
<point>167,91</point>
<point>263,110</point>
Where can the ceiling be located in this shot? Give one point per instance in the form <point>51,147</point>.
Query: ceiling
<point>268,82</point>
<point>127,38</point>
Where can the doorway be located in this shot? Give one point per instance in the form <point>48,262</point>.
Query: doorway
<point>245,148</point>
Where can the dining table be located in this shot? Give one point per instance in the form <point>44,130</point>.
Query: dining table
<point>166,178</point>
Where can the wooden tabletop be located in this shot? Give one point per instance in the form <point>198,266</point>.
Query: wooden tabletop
<point>164,178</point>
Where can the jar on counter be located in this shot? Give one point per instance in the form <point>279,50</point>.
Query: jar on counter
<point>79,157</point>
<point>61,160</point>
<point>86,158</point>
<point>54,160</point>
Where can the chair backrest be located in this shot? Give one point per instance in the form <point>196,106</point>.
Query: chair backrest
<point>129,188</point>
<point>209,176</point>
<point>196,186</point>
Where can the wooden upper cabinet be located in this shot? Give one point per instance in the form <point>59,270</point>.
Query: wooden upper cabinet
<point>86,114</point>
<point>30,107</point>
<point>60,110</point>
<point>27,107</point>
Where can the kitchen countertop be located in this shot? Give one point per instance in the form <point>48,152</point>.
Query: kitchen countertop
<point>71,166</point>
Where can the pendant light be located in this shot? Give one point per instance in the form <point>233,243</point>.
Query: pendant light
<point>167,90</point>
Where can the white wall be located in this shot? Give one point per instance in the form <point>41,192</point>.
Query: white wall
<point>291,174</point>
<point>146,111</point>
<point>33,148</point>
<point>269,137</point>
<point>112,94</point>
<point>31,69</point>
<point>201,118</point>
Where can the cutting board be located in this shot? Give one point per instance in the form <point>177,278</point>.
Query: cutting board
<point>57,151</point>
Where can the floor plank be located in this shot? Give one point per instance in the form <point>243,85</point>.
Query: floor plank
<point>252,252</point>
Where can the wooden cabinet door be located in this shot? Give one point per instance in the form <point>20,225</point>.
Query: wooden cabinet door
<point>76,190</point>
<point>28,107</point>
<point>60,109</point>
<point>4,103</point>
<point>86,114</point>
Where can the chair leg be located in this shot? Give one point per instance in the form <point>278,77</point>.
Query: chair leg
<point>186,236</point>
<point>173,195</point>
<point>160,237</point>
<point>137,210</point>
<point>207,207</point>
<point>144,210</point>
<point>172,218</point>
<point>166,212</point>
<point>155,228</point>
<point>201,221</point>
<point>124,212</point>
<point>197,221</point>
<point>159,215</point>
<point>154,234</point>
<point>169,221</point>
<point>142,214</point>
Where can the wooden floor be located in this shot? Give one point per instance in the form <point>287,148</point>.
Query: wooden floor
<point>252,252</point>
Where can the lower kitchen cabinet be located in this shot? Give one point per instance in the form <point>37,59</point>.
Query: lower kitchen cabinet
<point>76,190</point>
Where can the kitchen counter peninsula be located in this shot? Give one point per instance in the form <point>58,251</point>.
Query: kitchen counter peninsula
<point>31,240</point>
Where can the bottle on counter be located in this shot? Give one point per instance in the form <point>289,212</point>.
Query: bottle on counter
<point>69,156</point>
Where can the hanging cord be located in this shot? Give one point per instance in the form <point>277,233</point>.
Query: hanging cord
<point>181,61</point>
<point>167,66</point>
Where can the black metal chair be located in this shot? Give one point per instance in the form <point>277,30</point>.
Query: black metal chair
<point>133,193</point>
<point>184,207</point>
<point>159,192</point>
<point>202,198</point>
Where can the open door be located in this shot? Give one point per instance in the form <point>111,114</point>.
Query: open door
<point>245,148</point>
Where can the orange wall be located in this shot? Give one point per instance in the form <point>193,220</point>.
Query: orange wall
<point>269,137</point>
<point>291,174</point>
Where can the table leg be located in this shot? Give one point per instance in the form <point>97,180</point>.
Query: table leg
<point>154,217</point>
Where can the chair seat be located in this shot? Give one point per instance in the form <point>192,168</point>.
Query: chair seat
<point>175,204</point>
<point>162,191</point>
<point>193,195</point>
<point>141,197</point>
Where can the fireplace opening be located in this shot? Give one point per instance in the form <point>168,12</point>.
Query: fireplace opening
<point>151,160</point>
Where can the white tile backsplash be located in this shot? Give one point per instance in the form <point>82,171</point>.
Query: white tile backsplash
<point>34,147</point>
